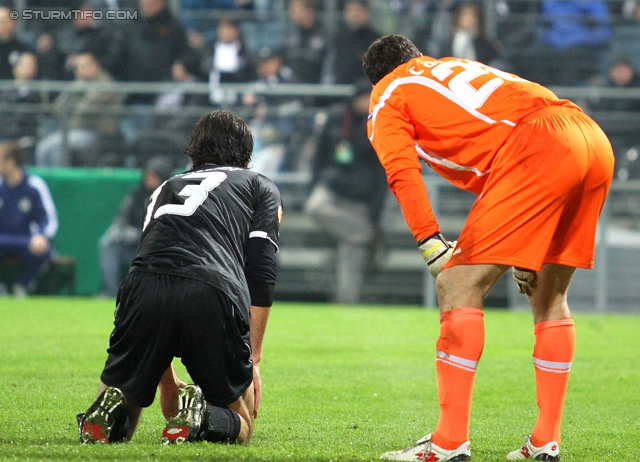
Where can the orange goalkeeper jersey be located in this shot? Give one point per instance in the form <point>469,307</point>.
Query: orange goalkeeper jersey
<point>454,114</point>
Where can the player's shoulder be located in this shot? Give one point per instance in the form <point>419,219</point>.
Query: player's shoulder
<point>36,183</point>
<point>265,183</point>
<point>233,174</point>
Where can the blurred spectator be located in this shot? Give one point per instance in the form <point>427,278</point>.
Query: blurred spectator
<point>170,118</point>
<point>306,44</point>
<point>620,74</point>
<point>270,70</point>
<point>272,123</point>
<point>119,244</point>
<point>631,11</point>
<point>627,9</point>
<point>572,37</point>
<point>349,187</point>
<point>28,220</point>
<point>468,37</point>
<point>51,62</point>
<point>183,71</point>
<point>86,124</point>
<point>230,60</point>
<point>150,46</point>
<point>17,125</point>
<point>10,46</point>
<point>437,23</point>
<point>351,41</point>
<point>86,36</point>
<point>199,30</point>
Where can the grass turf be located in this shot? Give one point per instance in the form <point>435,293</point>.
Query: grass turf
<point>340,383</point>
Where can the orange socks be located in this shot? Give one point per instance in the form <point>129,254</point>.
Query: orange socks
<point>459,348</point>
<point>552,356</point>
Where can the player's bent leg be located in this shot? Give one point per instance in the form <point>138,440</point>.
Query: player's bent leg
<point>197,420</point>
<point>548,298</point>
<point>552,358</point>
<point>232,424</point>
<point>461,290</point>
<point>466,285</point>
<point>244,407</point>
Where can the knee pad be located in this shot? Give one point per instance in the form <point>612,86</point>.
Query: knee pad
<point>221,425</point>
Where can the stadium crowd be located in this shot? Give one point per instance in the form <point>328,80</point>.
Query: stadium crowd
<point>263,42</point>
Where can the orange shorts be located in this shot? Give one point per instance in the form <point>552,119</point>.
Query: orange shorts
<point>543,197</point>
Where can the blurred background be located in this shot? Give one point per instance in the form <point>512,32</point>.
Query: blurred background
<point>102,94</point>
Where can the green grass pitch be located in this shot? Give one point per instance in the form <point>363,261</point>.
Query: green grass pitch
<point>340,383</point>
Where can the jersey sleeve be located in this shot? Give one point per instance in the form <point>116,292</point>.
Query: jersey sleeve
<point>260,256</point>
<point>268,213</point>
<point>44,214</point>
<point>392,136</point>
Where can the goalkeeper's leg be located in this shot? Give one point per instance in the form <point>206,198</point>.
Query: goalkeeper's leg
<point>554,348</point>
<point>459,347</point>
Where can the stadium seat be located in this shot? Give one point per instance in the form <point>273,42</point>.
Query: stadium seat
<point>59,278</point>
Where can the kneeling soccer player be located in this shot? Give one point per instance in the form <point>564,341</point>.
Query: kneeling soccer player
<point>200,288</point>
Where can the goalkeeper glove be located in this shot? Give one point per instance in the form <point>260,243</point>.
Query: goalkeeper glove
<point>436,251</point>
<point>524,278</point>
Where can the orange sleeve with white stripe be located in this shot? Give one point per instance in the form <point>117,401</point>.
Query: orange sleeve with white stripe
<point>393,141</point>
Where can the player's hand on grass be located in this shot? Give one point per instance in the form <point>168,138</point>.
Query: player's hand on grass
<point>524,278</point>
<point>436,251</point>
<point>257,390</point>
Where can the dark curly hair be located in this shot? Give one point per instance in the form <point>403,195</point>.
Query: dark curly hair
<point>221,138</point>
<point>387,53</point>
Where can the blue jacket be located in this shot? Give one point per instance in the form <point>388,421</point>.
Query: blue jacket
<point>25,210</point>
<point>574,23</point>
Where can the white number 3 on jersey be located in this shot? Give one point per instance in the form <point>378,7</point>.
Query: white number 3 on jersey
<point>195,195</point>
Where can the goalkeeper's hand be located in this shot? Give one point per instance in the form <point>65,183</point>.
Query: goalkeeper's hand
<point>524,278</point>
<point>436,251</point>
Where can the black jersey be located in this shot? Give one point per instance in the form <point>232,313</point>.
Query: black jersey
<point>198,225</point>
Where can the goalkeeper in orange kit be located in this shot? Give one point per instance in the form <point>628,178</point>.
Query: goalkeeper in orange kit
<point>541,169</point>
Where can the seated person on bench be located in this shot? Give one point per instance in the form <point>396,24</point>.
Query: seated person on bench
<point>28,221</point>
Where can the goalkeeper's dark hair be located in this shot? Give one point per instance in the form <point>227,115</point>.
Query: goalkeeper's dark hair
<point>222,138</point>
<point>387,53</point>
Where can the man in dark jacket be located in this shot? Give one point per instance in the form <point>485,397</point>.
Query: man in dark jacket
<point>86,36</point>
<point>150,46</point>
<point>349,187</point>
<point>306,44</point>
<point>10,47</point>
<point>119,244</point>
<point>352,41</point>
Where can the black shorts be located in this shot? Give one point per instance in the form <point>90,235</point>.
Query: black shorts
<point>159,317</point>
